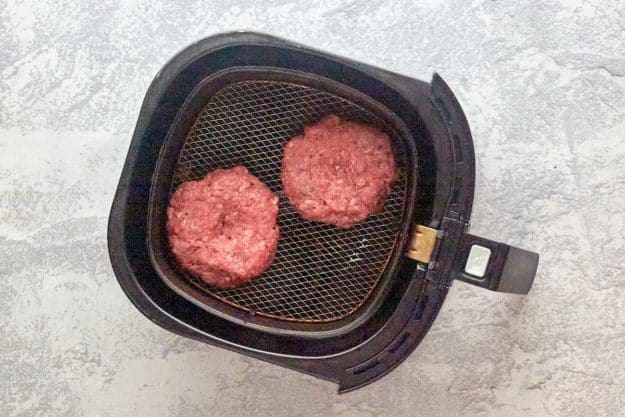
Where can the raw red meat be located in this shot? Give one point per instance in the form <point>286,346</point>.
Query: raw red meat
<point>338,172</point>
<point>223,227</point>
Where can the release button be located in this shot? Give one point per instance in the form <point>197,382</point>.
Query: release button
<point>477,261</point>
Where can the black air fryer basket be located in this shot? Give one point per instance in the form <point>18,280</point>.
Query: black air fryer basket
<point>344,305</point>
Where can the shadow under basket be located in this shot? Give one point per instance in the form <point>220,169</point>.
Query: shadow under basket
<point>347,305</point>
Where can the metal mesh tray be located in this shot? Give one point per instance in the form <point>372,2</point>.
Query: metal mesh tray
<point>321,273</point>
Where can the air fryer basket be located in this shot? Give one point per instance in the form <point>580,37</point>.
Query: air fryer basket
<point>321,274</point>
<point>235,99</point>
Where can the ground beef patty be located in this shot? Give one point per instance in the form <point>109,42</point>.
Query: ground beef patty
<point>223,227</point>
<point>338,172</point>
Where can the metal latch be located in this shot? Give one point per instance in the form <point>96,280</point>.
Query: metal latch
<point>422,244</point>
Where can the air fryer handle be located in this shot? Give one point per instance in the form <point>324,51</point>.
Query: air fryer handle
<point>495,265</point>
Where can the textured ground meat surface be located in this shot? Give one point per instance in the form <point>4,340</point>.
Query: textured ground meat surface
<point>223,227</point>
<point>338,172</point>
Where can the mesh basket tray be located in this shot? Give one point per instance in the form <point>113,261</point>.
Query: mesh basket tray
<point>320,273</point>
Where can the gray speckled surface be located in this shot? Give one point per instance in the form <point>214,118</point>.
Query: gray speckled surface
<point>543,87</point>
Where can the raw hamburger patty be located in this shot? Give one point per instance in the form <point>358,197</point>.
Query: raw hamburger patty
<point>223,227</point>
<point>338,172</point>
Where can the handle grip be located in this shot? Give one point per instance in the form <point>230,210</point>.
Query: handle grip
<point>495,265</point>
